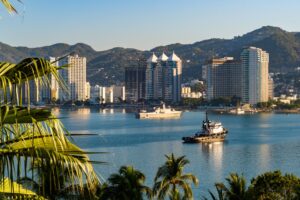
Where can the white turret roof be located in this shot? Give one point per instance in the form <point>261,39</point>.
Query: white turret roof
<point>163,57</point>
<point>152,59</point>
<point>174,57</point>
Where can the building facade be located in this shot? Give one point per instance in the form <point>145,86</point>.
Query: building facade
<point>135,82</point>
<point>271,87</point>
<point>151,73</point>
<point>112,94</point>
<point>255,75</point>
<point>163,78</point>
<point>223,76</point>
<point>75,78</point>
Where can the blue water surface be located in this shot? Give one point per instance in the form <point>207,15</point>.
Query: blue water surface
<point>255,143</point>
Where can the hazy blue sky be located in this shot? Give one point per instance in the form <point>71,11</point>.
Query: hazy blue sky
<point>141,24</point>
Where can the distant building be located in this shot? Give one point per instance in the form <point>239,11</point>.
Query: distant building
<point>271,87</point>
<point>286,99</point>
<point>50,92</point>
<point>163,78</point>
<point>255,75</point>
<point>186,92</point>
<point>95,93</point>
<point>119,93</point>
<point>173,78</point>
<point>75,78</point>
<point>135,82</point>
<point>87,90</point>
<point>113,94</point>
<point>31,92</point>
<point>106,95</point>
<point>151,73</point>
<point>223,77</point>
<point>204,72</point>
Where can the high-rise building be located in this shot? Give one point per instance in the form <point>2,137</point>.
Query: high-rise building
<point>31,92</point>
<point>75,78</point>
<point>119,93</point>
<point>135,81</point>
<point>110,94</point>
<point>87,90</point>
<point>223,76</point>
<point>173,78</point>
<point>151,73</point>
<point>163,78</point>
<point>255,75</point>
<point>271,87</point>
<point>50,91</point>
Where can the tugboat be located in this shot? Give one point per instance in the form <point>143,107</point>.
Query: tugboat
<point>211,132</point>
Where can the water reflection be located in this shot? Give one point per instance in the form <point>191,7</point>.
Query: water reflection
<point>82,113</point>
<point>108,111</point>
<point>214,154</point>
<point>264,156</point>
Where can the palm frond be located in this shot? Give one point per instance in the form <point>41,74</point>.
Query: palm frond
<point>12,189</point>
<point>9,6</point>
<point>13,76</point>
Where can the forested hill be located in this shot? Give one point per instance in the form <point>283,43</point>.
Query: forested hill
<point>107,67</point>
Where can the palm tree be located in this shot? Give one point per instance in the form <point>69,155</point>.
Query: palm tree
<point>236,189</point>
<point>220,193</point>
<point>9,6</point>
<point>127,184</point>
<point>170,175</point>
<point>30,134</point>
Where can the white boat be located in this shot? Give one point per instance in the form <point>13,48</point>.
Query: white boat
<point>237,111</point>
<point>211,132</point>
<point>159,113</point>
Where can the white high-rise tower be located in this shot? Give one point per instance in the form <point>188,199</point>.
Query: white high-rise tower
<point>150,76</point>
<point>255,72</point>
<point>75,78</point>
<point>163,78</point>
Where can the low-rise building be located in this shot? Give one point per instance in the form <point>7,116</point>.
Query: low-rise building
<point>112,94</point>
<point>186,92</point>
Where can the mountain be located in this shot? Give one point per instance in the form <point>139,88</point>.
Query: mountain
<point>107,67</point>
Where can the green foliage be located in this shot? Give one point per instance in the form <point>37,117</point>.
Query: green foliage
<point>34,143</point>
<point>268,186</point>
<point>266,105</point>
<point>198,87</point>
<point>170,180</point>
<point>192,102</point>
<point>225,101</point>
<point>127,184</point>
<point>7,4</point>
<point>274,185</point>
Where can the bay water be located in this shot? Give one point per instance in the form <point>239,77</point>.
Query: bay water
<point>255,144</point>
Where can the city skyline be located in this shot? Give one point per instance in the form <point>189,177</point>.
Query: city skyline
<point>104,25</point>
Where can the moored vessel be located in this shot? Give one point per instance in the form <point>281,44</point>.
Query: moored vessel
<point>211,132</point>
<point>161,112</point>
<point>237,111</point>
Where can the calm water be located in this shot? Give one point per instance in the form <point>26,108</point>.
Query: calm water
<point>255,143</point>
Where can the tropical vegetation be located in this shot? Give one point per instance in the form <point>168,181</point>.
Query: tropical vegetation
<point>35,148</point>
<point>127,184</point>
<point>270,185</point>
<point>37,159</point>
<point>170,179</point>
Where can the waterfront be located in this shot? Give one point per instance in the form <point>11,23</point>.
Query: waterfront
<point>255,144</point>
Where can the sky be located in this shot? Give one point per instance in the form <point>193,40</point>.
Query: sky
<point>140,24</point>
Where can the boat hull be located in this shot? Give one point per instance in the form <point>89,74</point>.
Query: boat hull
<point>205,138</point>
<point>174,115</point>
